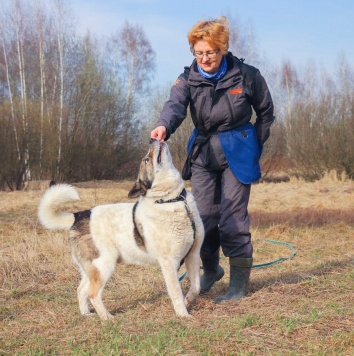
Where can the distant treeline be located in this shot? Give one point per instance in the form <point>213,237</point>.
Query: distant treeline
<point>73,108</point>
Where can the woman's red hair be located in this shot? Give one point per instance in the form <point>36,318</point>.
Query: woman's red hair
<point>215,32</point>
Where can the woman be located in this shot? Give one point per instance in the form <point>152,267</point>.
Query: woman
<point>224,148</point>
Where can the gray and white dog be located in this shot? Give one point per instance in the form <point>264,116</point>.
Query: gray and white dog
<point>162,228</point>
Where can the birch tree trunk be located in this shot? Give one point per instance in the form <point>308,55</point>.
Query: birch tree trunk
<point>289,80</point>
<point>136,60</point>
<point>19,29</point>
<point>59,10</point>
<point>10,95</point>
<point>40,31</point>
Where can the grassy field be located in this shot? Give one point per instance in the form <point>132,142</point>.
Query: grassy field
<point>303,306</point>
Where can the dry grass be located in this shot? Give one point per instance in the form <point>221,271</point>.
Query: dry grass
<point>303,306</point>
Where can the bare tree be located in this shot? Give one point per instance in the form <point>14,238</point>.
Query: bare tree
<point>13,28</point>
<point>343,122</point>
<point>19,27</point>
<point>40,24</point>
<point>9,86</point>
<point>243,42</point>
<point>60,12</point>
<point>135,60</point>
<point>290,83</point>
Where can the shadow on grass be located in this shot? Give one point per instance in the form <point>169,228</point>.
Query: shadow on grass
<point>257,284</point>
<point>134,302</point>
<point>286,278</point>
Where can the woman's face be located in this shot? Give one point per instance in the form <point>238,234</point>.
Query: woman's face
<point>209,65</point>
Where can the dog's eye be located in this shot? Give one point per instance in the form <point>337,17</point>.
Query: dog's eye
<point>146,160</point>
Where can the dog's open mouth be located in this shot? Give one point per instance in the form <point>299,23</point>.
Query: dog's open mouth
<point>159,156</point>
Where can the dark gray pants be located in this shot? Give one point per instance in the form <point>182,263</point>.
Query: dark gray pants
<point>222,202</point>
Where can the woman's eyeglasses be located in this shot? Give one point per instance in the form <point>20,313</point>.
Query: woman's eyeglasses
<point>209,54</point>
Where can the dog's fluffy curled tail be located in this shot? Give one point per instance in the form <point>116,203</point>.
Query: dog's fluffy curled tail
<point>48,212</point>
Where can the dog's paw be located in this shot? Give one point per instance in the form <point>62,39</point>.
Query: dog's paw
<point>184,315</point>
<point>189,300</point>
<point>88,314</point>
<point>107,316</point>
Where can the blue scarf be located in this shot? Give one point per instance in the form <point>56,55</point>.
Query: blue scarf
<point>216,76</point>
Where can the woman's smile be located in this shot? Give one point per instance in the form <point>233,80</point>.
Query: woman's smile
<point>209,65</point>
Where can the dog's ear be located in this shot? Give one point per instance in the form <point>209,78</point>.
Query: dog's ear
<point>137,190</point>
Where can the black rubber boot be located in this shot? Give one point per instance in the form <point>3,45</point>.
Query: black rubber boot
<point>240,269</point>
<point>213,272</point>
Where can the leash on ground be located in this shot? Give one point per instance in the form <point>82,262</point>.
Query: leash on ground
<point>265,264</point>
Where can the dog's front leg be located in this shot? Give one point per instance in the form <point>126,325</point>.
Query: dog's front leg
<point>193,270</point>
<point>169,271</point>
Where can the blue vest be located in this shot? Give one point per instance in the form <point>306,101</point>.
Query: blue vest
<point>242,150</point>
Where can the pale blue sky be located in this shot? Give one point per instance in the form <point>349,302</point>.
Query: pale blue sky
<point>298,30</point>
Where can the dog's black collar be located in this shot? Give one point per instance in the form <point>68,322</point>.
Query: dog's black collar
<point>181,197</point>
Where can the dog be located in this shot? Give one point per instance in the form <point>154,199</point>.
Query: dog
<point>162,228</point>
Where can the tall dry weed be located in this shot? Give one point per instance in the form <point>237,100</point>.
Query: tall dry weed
<point>33,257</point>
<point>334,176</point>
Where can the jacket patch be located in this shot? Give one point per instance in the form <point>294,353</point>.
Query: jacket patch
<point>177,82</point>
<point>238,90</point>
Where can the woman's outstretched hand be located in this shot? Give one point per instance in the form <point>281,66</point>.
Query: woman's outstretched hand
<point>159,133</point>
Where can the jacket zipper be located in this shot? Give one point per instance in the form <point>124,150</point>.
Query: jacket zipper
<point>200,119</point>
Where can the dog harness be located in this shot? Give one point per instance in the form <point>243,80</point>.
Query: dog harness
<point>139,239</point>
<point>181,197</point>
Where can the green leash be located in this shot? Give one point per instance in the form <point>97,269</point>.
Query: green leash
<point>266,264</point>
<point>281,259</point>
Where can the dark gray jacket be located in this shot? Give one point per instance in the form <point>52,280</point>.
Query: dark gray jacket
<point>220,106</point>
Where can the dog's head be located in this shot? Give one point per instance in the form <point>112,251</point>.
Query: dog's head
<point>157,172</point>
